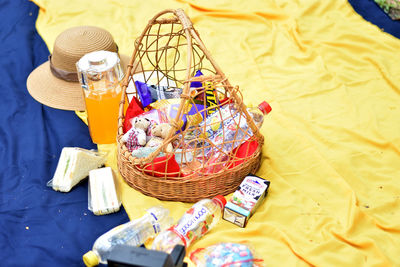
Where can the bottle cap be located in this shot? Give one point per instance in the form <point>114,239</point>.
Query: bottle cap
<point>90,259</point>
<point>265,107</point>
<point>221,200</point>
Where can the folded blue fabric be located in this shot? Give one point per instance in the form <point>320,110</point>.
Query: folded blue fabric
<point>38,226</point>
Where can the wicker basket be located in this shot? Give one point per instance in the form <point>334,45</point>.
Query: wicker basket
<point>170,51</point>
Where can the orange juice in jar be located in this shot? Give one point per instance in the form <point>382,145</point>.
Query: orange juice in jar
<point>100,74</point>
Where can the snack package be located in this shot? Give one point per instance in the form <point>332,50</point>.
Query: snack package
<point>73,166</point>
<point>226,255</point>
<point>196,84</point>
<point>102,193</point>
<point>208,92</point>
<point>192,113</point>
<point>150,93</point>
<point>149,78</point>
<point>245,200</point>
<point>210,95</point>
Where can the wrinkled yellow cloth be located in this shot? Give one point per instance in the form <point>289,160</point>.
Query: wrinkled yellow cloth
<point>332,150</point>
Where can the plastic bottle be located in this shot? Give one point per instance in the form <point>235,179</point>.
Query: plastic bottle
<point>259,112</point>
<point>133,233</point>
<point>229,125</point>
<point>195,223</point>
<point>230,131</point>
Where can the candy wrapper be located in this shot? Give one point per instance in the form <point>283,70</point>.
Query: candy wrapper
<point>208,93</point>
<point>193,113</point>
<point>196,84</point>
<point>151,93</point>
<point>225,255</point>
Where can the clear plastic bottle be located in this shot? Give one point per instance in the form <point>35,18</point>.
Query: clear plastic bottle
<point>225,131</point>
<point>221,128</point>
<point>133,233</point>
<point>195,223</point>
<point>259,112</point>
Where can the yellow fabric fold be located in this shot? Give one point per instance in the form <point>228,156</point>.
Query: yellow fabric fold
<point>332,150</point>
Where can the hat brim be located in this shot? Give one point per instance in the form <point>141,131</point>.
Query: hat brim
<point>51,91</point>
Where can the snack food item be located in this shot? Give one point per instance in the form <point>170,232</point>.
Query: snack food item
<point>192,113</point>
<point>245,200</point>
<point>73,166</point>
<point>210,94</point>
<point>102,197</point>
<point>150,93</point>
<point>224,255</point>
<point>196,84</point>
<point>207,94</point>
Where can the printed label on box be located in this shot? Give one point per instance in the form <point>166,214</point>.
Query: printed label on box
<point>245,200</point>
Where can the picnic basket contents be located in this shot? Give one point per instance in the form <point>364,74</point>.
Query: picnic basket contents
<point>184,133</point>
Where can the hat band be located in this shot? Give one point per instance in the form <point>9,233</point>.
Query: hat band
<point>63,74</point>
<point>67,75</point>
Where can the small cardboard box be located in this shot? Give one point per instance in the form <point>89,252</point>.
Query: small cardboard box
<point>246,200</point>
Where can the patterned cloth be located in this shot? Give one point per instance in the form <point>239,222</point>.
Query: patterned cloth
<point>134,139</point>
<point>391,7</point>
<point>137,137</point>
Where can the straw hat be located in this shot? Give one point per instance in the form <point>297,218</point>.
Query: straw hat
<point>55,83</point>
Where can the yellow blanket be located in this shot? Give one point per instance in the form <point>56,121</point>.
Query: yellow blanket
<point>332,150</point>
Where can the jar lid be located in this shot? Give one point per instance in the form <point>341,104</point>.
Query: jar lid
<point>98,61</point>
<point>265,107</point>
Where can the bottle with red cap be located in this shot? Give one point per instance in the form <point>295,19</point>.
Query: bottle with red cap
<point>258,113</point>
<point>225,131</point>
<point>195,223</point>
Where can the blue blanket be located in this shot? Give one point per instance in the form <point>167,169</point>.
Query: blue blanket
<point>38,226</point>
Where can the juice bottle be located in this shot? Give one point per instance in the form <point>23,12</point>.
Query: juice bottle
<point>100,74</point>
<point>194,224</point>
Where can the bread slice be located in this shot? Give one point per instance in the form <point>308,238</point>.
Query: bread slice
<point>73,166</point>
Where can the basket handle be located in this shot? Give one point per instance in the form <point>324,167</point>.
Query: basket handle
<point>186,22</point>
<point>188,27</point>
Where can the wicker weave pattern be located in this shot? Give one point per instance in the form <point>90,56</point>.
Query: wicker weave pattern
<point>170,51</point>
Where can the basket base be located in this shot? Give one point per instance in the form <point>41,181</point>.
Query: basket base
<point>193,189</point>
